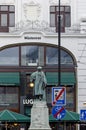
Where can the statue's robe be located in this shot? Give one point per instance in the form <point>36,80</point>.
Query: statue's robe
<point>40,82</point>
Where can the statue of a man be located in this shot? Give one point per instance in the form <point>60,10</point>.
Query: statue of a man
<point>40,82</point>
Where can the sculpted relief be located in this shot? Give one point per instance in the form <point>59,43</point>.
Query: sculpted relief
<point>32,11</point>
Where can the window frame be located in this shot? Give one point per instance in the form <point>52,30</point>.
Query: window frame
<point>7,11</point>
<point>63,12</point>
<point>6,93</point>
<point>10,56</point>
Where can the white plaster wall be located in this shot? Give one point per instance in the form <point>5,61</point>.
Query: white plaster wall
<point>76,43</point>
<point>74,9</point>
<point>43,10</point>
<point>81,72</point>
<point>81,9</point>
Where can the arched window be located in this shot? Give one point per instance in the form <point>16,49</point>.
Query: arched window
<point>33,55</point>
<point>52,57</point>
<point>25,58</point>
<point>29,55</point>
<point>9,57</point>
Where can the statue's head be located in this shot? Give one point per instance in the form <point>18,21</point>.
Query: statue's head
<point>39,68</point>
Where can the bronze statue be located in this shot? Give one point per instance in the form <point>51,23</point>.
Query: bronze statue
<point>40,83</point>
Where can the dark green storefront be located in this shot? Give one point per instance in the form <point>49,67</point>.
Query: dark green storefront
<point>67,78</point>
<point>13,78</point>
<point>10,78</point>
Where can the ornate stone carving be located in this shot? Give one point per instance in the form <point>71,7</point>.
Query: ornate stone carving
<point>32,11</point>
<point>32,25</point>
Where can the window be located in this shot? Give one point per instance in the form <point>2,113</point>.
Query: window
<point>32,55</point>
<point>29,55</point>
<point>9,57</point>
<point>52,58</point>
<point>70,97</point>
<point>29,90</point>
<point>65,17</point>
<point>9,97</point>
<point>7,17</point>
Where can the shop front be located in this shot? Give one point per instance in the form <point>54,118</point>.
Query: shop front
<point>20,60</point>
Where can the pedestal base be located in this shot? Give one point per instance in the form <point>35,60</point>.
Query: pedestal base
<point>39,116</point>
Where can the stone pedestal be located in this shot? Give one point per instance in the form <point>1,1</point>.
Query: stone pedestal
<point>39,116</point>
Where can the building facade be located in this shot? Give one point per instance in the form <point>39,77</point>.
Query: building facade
<point>28,38</point>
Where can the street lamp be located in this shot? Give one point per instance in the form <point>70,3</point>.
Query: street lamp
<point>59,50</point>
<point>31,84</point>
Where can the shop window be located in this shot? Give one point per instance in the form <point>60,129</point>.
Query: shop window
<point>7,17</point>
<point>52,58</point>
<point>65,17</point>
<point>32,55</point>
<point>29,90</point>
<point>9,57</point>
<point>70,98</point>
<point>29,55</point>
<point>9,98</point>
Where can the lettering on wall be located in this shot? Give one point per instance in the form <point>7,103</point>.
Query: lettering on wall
<point>27,101</point>
<point>32,37</point>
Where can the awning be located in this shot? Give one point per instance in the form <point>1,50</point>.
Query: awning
<point>67,78</point>
<point>69,117</point>
<point>9,78</point>
<point>10,116</point>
